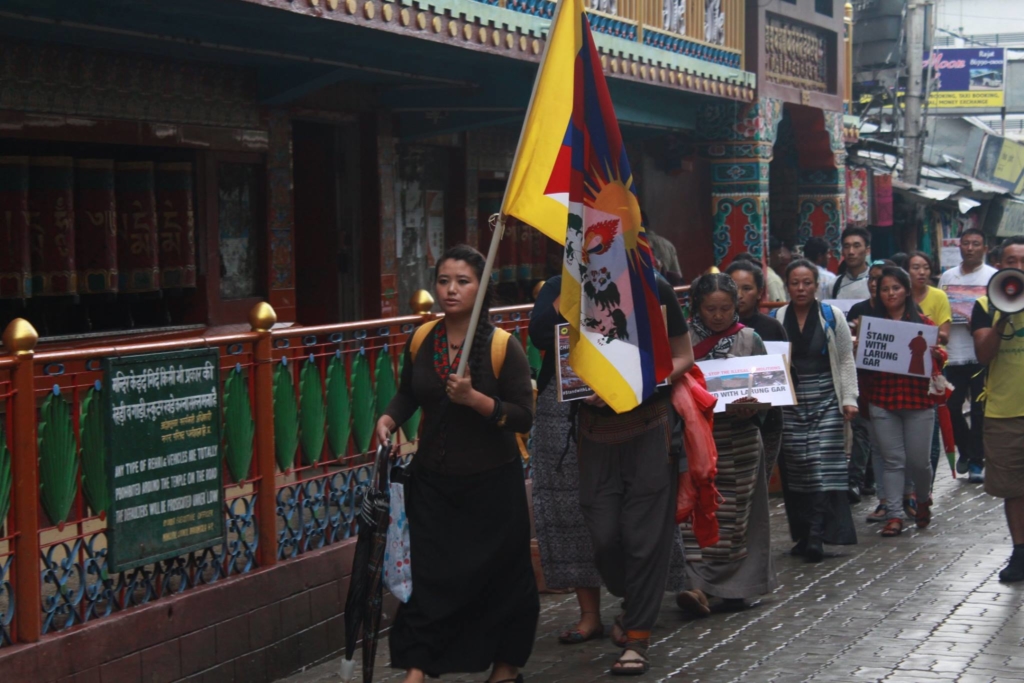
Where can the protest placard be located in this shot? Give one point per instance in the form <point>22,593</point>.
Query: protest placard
<point>765,378</point>
<point>961,300</point>
<point>896,346</point>
<point>843,305</point>
<point>570,386</point>
<point>777,348</point>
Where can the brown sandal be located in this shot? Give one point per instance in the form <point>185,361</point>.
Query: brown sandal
<point>694,603</point>
<point>894,527</point>
<point>924,514</point>
<point>619,633</point>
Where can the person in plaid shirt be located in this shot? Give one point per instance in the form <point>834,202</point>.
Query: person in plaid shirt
<point>901,411</point>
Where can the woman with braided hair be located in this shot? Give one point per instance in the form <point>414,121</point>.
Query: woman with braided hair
<point>739,565</point>
<point>474,601</point>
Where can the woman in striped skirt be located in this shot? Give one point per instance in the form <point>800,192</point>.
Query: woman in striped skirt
<point>813,457</point>
<point>740,565</point>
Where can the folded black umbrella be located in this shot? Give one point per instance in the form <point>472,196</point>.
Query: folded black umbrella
<point>365,599</point>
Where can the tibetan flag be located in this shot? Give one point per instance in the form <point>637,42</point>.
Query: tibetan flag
<point>572,181</point>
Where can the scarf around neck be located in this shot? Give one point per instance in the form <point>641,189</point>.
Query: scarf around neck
<point>714,345</point>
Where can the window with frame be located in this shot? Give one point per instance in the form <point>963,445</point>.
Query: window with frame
<point>240,217</point>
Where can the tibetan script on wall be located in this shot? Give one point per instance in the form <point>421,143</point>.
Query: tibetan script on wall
<point>798,55</point>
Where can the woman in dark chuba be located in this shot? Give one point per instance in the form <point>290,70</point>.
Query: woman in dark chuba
<point>740,565</point>
<point>474,601</point>
<point>813,457</point>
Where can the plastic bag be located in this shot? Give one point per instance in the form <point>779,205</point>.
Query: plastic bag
<point>397,558</point>
<point>698,499</point>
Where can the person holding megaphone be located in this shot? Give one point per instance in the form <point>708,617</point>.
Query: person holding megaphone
<point>997,325</point>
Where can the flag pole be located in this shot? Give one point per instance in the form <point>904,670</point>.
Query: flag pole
<point>499,228</point>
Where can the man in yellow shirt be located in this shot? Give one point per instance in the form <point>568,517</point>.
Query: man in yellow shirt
<point>999,344</point>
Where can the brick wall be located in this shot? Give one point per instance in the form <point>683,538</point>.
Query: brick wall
<point>248,629</point>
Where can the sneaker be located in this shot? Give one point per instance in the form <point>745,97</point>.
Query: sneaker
<point>962,464</point>
<point>868,490</point>
<point>1014,570</point>
<point>977,474</point>
<point>853,495</point>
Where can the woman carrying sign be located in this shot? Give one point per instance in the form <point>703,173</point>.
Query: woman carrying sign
<point>813,457</point>
<point>901,411</point>
<point>740,564</point>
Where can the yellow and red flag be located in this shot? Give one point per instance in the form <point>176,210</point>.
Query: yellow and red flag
<point>572,181</point>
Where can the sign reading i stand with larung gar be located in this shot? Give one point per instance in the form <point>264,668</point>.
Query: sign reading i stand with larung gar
<point>162,421</point>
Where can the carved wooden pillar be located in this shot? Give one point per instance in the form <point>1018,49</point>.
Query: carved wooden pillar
<point>740,139</point>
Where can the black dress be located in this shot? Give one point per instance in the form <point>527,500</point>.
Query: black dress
<point>474,598</point>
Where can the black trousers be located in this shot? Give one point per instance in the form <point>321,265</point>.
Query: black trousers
<point>967,378</point>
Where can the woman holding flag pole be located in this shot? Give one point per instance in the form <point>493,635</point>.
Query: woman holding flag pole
<point>571,181</point>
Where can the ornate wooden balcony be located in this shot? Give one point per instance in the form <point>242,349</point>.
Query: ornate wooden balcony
<point>679,26</point>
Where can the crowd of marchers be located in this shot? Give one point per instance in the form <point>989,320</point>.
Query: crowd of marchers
<point>605,483</point>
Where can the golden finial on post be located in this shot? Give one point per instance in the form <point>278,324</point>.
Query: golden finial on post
<point>713,270</point>
<point>20,337</point>
<point>262,317</point>
<point>421,302</point>
<point>848,10</point>
<point>537,287</point>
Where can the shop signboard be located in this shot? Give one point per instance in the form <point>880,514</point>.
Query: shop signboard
<point>967,78</point>
<point>162,422</point>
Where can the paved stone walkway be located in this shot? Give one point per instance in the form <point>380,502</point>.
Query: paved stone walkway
<point>926,606</point>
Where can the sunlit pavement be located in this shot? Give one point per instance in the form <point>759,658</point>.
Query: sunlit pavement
<point>926,606</point>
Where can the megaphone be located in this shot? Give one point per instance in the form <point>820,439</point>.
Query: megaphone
<point>1006,291</point>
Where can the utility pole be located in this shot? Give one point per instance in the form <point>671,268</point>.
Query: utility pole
<point>912,148</point>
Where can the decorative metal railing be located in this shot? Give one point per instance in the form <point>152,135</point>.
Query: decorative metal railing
<point>299,406</point>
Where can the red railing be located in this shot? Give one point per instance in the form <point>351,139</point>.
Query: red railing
<point>54,572</point>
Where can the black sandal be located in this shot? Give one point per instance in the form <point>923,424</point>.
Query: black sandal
<point>632,667</point>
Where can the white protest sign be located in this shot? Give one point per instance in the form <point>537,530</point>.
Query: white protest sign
<point>843,305</point>
<point>765,378</point>
<point>895,346</point>
<point>775,348</point>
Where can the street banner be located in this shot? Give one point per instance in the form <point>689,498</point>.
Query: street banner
<point>961,300</point>
<point>967,78</point>
<point>895,346</point>
<point>765,378</point>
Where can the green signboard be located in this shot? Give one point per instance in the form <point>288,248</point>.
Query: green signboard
<point>163,437</point>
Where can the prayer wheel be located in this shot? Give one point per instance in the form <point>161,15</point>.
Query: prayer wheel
<point>138,259</point>
<point>96,226</point>
<point>15,257</point>
<point>51,200</point>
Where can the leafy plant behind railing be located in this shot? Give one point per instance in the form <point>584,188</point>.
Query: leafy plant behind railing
<point>411,428</point>
<point>94,453</point>
<point>239,427</point>
<point>339,408</point>
<point>534,357</point>
<point>5,478</point>
<point>362,403</point>
<point>385,383</point>
<point>311,413</point>
<point>286,418</point>
<point>58,464</point>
